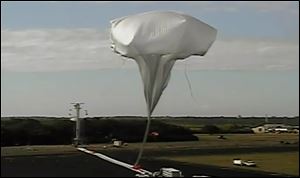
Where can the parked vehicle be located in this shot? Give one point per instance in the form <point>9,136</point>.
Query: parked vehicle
<point>249,163</point>
<point>239,162</point>
<point>168,172</point>
<point>117,143</point>
<point>142,175</point>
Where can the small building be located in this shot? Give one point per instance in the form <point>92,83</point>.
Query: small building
<point>272,128</point>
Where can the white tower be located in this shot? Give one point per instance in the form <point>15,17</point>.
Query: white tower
<point>78,139</point>
<point>266,119</point>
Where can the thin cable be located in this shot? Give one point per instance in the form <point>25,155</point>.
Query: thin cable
<point>189,83</point>
<point>144,139</point>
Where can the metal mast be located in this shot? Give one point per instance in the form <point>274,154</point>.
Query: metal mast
<point>78,139</point>
<point>266,119</point>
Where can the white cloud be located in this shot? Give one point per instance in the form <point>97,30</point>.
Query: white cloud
<point>86,49</point>
<point>245,54</point>
<point>55,50</point>
<point>260,6</point>
<point>225,6</point>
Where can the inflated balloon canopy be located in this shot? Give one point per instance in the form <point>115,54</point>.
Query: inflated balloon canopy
<point>155,40</point>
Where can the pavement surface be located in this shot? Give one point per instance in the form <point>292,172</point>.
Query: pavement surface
<point>86,165</point>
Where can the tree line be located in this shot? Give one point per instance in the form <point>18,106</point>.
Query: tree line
<point>16,132</point>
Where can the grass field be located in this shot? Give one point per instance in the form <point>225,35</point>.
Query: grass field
<point>37,150</point>
<point>249,139</point>
<point>286,162</point>
<point>205,141</point>
<point>280,162</point>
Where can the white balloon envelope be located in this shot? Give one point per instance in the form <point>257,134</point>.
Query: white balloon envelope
<point>155,40</point>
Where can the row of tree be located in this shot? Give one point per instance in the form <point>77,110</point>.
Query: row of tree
<point>53,131</point>
<point>226,128</point>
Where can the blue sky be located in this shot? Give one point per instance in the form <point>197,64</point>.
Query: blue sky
<point>54,53</point>
<point>246,20</point>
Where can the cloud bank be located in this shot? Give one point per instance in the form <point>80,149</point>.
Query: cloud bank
<point>40,50</point>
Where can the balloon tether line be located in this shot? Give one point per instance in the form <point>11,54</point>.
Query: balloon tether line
<point>144,139</point>
<point>189,84</point>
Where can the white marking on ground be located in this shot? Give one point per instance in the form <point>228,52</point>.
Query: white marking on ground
<point>114,161</point>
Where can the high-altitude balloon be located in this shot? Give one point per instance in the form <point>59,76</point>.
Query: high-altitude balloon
<point>155,40</point>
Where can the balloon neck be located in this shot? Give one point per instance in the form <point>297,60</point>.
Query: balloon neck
<point>155,72</point>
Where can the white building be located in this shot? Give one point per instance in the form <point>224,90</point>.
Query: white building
<point>267,128</point>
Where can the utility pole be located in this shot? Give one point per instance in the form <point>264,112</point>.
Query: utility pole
<point>78,139</point>
<point>266,119</point>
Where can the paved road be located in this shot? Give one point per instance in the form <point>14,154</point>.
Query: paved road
<point>75,165</point>
<point>84,165</point>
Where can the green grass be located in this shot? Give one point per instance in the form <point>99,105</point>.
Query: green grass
<point>205,142</point>
<point>285,162</point>
<point>37,150</point>
<point>250,138</point>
